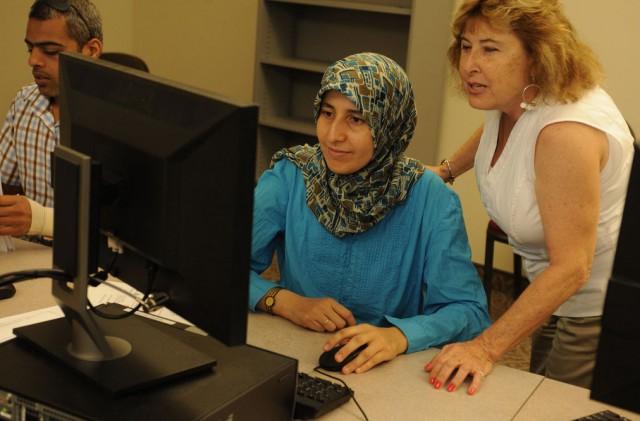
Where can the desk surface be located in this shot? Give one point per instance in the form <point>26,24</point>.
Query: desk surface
<point>398,390</point>
<point>395,390</point>
<point>30,295</point>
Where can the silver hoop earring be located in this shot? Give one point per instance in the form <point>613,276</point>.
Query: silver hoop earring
<point>530,105</point>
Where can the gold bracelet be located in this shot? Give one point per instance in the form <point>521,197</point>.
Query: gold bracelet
<point>450,179</point>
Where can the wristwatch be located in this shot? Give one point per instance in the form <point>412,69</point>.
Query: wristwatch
<point>270,299</point>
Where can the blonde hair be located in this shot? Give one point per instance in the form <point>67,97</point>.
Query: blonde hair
<point>562,66</point>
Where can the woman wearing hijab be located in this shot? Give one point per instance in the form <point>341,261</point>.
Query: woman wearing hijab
<point>369,245</point>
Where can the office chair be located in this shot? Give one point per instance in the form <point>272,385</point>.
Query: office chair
<point>125,59</point>
<point>495,233</point>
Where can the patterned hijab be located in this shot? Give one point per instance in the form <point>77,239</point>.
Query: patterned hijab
<point>353,203</point>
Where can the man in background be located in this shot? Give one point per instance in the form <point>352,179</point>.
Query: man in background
<point>31,128</point>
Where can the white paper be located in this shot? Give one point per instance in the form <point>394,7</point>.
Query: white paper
<point>101,294</point>
<point>104,294</point>
<point>7,324</point>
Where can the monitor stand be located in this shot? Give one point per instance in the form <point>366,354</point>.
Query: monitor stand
<point>155,357</point>
<point>120,355</point>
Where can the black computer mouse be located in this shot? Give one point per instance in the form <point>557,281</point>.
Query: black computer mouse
<point>328,361</point>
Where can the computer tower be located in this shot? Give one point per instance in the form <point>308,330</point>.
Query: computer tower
<point>248,383</point>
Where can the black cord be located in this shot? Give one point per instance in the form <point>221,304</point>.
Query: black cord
<point>152,269</point>
<point>102,275</point>
<point>97,278</point>
<point>25,275</point>
<point>353,395</point>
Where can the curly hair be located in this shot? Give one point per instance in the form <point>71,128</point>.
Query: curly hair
<point>562,66</point>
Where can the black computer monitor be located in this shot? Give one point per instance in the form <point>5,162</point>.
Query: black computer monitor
<point>616,377</point>
<point>165,173</point>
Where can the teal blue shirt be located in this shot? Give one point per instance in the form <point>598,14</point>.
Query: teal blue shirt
<point>412,270</point>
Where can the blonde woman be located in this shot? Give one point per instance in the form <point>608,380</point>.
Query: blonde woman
<point>552,163</point>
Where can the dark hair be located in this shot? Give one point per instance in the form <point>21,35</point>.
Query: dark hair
<point>81,16</point>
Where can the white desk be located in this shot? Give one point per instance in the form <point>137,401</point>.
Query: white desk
<point>30,295</point>
<point>397,390</point>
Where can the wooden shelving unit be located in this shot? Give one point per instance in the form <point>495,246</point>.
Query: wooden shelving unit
<point>298,39</point>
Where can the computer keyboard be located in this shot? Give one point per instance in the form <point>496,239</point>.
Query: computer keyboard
<point>603,416</point>
<point>316,396</point>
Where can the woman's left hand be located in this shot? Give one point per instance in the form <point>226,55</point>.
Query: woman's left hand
<point>383,344</point>
<point>457,361</point>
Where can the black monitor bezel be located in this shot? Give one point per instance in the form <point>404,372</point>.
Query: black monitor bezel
<point>616,376</point>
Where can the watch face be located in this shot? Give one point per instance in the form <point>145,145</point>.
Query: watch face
<point>269,301</point>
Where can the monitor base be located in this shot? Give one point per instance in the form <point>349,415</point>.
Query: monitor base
<point>155,357</point>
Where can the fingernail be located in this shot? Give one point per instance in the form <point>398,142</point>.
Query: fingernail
<point>437,385</point>
<point>472,390</point>
<point>432,380</point>
<point>428,367</point>
<point>451,388</point>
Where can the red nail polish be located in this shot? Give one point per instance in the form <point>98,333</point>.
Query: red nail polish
<point>432,380</point>
<point>451,388</point>
<point>472,391</point>
<point>438,384</point>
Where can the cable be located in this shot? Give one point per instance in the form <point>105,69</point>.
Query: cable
<point>97,278</point>
<point>25,275</point>
<point>125,292</point>
<point>353,395</point>
<point>102,275</point>
<point>152,269</point>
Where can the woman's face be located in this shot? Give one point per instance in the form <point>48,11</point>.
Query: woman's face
<point>344,136</point>
<point>494,67</point>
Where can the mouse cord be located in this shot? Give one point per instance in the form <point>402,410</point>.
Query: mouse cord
<point>353,395</point>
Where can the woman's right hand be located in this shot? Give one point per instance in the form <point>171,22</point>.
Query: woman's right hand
<point>319,314</point>
<point>455,362</point>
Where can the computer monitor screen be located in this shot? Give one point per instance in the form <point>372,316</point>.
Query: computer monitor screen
<point>616,378</point>
<point>175,168</point>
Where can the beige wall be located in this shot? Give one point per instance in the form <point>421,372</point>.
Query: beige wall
<point>211,44</point>
<point>204,43</point>
<point>117,23</point>
<point>15,71</point>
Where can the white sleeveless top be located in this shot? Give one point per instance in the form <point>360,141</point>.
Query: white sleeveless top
<point>508,189</point>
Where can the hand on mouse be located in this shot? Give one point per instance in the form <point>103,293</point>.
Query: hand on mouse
<point>383,344</point>
<point>319,314</point>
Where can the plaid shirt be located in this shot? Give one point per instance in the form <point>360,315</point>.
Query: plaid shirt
<point>28,137</point>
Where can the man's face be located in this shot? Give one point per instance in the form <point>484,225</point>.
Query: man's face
<point>45,39</point>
